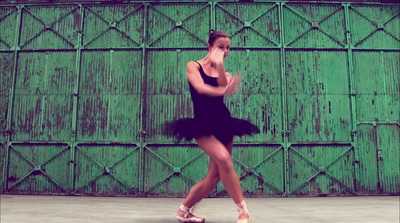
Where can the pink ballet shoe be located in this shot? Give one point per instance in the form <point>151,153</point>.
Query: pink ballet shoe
<point>186,219</point>
<point>242,209</point>
<point>243,221</point>
<point>192,219</point>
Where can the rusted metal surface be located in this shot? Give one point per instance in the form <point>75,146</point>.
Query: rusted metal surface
<point>43,102</point>
<point>107,169</point>
<point>86,88</point>
<point>38,168</point>
<point>109,102</point>
<point>318,99</point>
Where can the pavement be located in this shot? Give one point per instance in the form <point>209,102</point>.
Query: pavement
<point>76,209</point>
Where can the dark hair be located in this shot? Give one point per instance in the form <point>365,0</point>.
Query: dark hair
<point>215,35</point>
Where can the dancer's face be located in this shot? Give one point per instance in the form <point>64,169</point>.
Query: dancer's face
<point>221,43</point>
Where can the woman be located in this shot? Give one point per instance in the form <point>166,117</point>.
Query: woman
<point>213,127</point>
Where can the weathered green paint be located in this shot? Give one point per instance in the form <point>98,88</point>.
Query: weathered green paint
<point>113,25</point>
<point>249,24</point>
<point>260,169</point>
<point>374,27</point>
<point>86,88</point>
<point>172,170</point>
<point>109,96</point>
<point>177,24</point>
<point>107,169</point>
<point>6,68</point>
<point>314,25</point>
<point>3,174</point>
<point>43,103</point>
<point>38,168</point>
<point>318,100</point>
<point>321,169</point>
<point>49,27</point>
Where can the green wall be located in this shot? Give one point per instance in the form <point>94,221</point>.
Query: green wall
<point>86,87</point>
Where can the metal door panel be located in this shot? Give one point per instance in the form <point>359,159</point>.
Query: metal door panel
<point>178,24</point>
<point>321,169</point>
<point>104,72</point>
<point>112,118</point>
<point>317,72</point>
<point>162,109</point>
<point>6,78</point>
<point>45,73</point>
<point>314,25</point>
<point>113,25</point>
<point>4,100</point>
<point>3,167</point>
<point>319,118</point>
<point>259,109</point>
<point>8,16</point>
<point>171,170</point>
<point>109,99</point>
<point>368,167</point>
<point>107,169</point>
<point>260,169</point>
<point>375,26</point>
<point>381,74</point>
<point>260,70</point>
<point>388,145</point>
<point>377,85</point>
<point>43,103</point>
<point>318,101</point>
<point>260,92</point>
<point>39,168</point>
<point>42,118</point>
<point>249,24</point>
<point>371,108</point>
<point>50,27</point>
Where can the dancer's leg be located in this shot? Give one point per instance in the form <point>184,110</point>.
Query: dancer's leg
<point>218,152</point>
<point>207,184</point>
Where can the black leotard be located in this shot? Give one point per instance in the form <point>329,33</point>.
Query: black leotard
<point>211,117</point>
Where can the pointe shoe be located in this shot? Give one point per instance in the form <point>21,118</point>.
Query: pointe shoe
<point>193,219</point>
<point>186,219</point>
<point>243,221</point>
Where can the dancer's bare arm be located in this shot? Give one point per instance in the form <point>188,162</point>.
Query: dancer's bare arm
<point>194,77</point>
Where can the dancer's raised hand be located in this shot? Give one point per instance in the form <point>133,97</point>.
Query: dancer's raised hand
<point>233,85</point>
<point>216,57</point>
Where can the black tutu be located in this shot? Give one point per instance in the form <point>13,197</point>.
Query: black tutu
<point>189,128</point>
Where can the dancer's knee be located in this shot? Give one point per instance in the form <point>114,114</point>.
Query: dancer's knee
<point>212,180</point>
<point>224,162</point>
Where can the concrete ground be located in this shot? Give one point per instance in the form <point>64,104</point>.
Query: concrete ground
<point>64,209</point>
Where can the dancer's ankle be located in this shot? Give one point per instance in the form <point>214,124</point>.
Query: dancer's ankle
<point>184,208</point>
<point>243,210</point>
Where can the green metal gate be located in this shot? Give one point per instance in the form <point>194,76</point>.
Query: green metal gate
<point>86,88</point>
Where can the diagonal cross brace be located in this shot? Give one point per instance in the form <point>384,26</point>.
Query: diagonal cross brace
<point>105,167</point>
<point>258,164</point>
<point>321,170</point>
<point>248,24</point>
<point>8,14</point>
<point>39,167</point>
<point>179,23</point>
<point>315,26</point>
<point>112,25</point>
<point>378,27</point>
<point>173,168</point>
<point>49,27</point>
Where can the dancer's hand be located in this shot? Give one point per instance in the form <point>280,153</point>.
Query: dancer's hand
<point>216,57</point>
<point>233,85</point>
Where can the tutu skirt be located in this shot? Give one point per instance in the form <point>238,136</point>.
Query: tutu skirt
<point>189,128</point>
